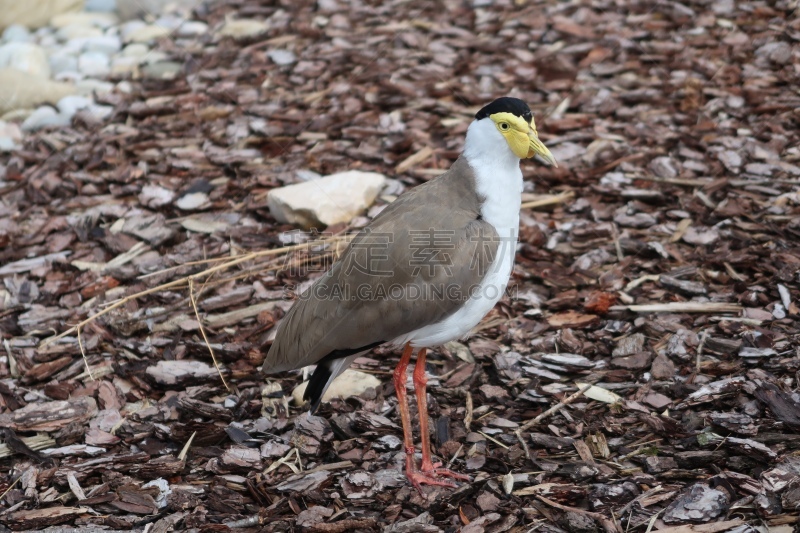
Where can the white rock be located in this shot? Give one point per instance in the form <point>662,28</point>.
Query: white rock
<point>105,44</point>
<point>20,90</point>
<point>63,61</point>
<point>89,87</point>
<point>16,34</point>
<point>192,28</point>
<point>282,57</point>
<point>27,57</point>
<point>135,50</point>
<point>94,64</point>
<point>69,105</point>
<point>125,65</point>
<point>192,201</point>
<point>146,34</point>
<point>34,14</point>
<point>43,117</point>
<point>73,31</point>
<point>83,18</point>
<point>326,201</point>
<point>243,28</point>
<point>349,383</point>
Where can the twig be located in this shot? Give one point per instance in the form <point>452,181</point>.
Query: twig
<point>9,488</point>
<point>203,332</point>
<point>83,353</point>
<point>560,405</point>
<point>700,349</point>
<point>681,307</point>
<point>550,200</point>
<point>244,522</point>
<point>185,450</point>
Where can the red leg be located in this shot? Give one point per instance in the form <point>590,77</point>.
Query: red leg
<point>402,404</point>
<point>416,477</point>
<point>428,467</point>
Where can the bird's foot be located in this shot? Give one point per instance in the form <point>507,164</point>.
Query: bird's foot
<point>419,478</point>
<point>436,470</point>
<point>433,474</point>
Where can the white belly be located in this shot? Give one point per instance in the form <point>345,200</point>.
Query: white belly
<point>498,181</point>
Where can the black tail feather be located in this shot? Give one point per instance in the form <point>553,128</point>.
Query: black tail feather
<point>316,385</point>
<point>319,379</point>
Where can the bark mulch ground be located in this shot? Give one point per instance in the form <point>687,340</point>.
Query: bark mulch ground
<point>666,277</point>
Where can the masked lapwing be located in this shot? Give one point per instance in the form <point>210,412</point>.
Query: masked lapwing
<point>424,272</point>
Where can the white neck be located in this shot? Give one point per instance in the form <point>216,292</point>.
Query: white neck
<point>497,176</point>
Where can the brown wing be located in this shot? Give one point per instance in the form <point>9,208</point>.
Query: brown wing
<point>413,265</point>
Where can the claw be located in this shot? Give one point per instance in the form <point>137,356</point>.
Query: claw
<point>418,478</point>
<point>437,470</point>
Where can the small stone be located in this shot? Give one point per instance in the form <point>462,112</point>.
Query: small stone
<point>69,105</point>
<point>94,64</point>
<point>82,18</point>
<point>125,65</point>
<point>192,201</point>
<point>136,50</point>
<point>164,70</point>
<point>10,136</point>
<point>105,44</point>
<point>192,28</point>
<point>326,201</point>
<point>243,28</point>
<point>27,57</point>
<point>349,383</point>
<point>146,34</point>
<point>282,57</point>
<point>16,34</point>
<point>63,61</point>
<point>43,117</point>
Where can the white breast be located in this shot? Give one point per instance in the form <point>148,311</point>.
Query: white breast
<point>499,182</point>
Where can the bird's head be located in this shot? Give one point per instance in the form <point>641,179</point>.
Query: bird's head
<point>512,119</point>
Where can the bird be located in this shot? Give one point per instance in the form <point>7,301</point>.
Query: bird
<point>423,272</point>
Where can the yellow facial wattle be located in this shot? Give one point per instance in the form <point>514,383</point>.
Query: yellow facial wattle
<point>522,138</point>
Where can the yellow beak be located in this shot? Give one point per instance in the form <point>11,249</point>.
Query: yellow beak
<point>537,147</point>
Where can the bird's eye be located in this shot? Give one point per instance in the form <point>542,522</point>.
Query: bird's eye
<point>504,126</point>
